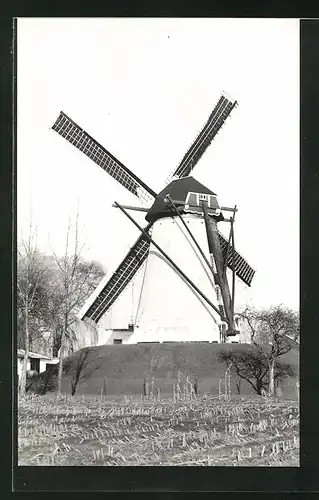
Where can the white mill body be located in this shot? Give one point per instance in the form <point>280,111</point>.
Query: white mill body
<point>170,309</point>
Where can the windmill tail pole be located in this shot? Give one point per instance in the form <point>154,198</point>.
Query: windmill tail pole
<point>232,220</point>
<point>214,245</point>
<point>234,268</point>
<point>190,233</point>
<point>189,281</point>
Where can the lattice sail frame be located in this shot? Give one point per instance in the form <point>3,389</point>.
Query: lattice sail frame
<point>120,278</point>
<point>242,268</point>
<point>211,128</point>
<point>74,134</point>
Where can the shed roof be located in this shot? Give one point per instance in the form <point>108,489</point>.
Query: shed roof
<point>21,353</point>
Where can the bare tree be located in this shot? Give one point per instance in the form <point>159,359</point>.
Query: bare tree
<point>76,280</point>
<point>253,366</point>
<point>31,274</point>
<point>273,327</point>
<point>67,266</point>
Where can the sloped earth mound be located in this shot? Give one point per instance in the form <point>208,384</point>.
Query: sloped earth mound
<point>116,370</point>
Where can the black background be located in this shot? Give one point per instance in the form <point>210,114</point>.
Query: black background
<point>218,479</point>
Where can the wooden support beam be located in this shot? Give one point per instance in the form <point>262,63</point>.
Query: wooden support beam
<point>128,207</point>
<point>186,278</point>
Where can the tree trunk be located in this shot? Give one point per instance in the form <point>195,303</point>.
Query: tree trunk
<point>56,344</point>
<point>60,370</point>
<point>23,379</point>
<point>271,389</point>
<point>62,349</point>
<point>73,386</point>
<point>259,387</point>
<point>238,385</point>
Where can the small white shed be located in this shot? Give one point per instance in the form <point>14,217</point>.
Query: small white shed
<point>37,362</point>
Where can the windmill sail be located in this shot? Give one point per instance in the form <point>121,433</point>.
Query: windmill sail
<point>139,251</point>
<point>73,133</point>
<point>214,123</point>
<point>120,278</point>
<point>242,268</point>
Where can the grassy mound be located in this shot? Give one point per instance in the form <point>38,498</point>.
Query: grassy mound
<point>122,369</point>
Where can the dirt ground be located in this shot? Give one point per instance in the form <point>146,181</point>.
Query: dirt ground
<point>84,430</point>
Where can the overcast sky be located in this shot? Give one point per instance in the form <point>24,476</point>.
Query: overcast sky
<point>144,88</point>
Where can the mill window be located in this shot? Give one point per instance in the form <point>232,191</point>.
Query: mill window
<point>203,197</point>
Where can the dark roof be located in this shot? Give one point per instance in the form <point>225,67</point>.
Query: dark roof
<point>177,190</point>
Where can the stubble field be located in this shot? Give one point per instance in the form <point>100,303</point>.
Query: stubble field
<point>132,431</point>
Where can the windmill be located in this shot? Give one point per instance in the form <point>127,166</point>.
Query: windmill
<point>181,222</point>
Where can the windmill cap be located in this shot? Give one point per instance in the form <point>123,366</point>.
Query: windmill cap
<point>177,190</point>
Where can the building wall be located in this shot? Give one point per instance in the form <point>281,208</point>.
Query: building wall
<point>166,308</point>
<point>42,365</point>
<point>124,335</point>
<point>170,309</point>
